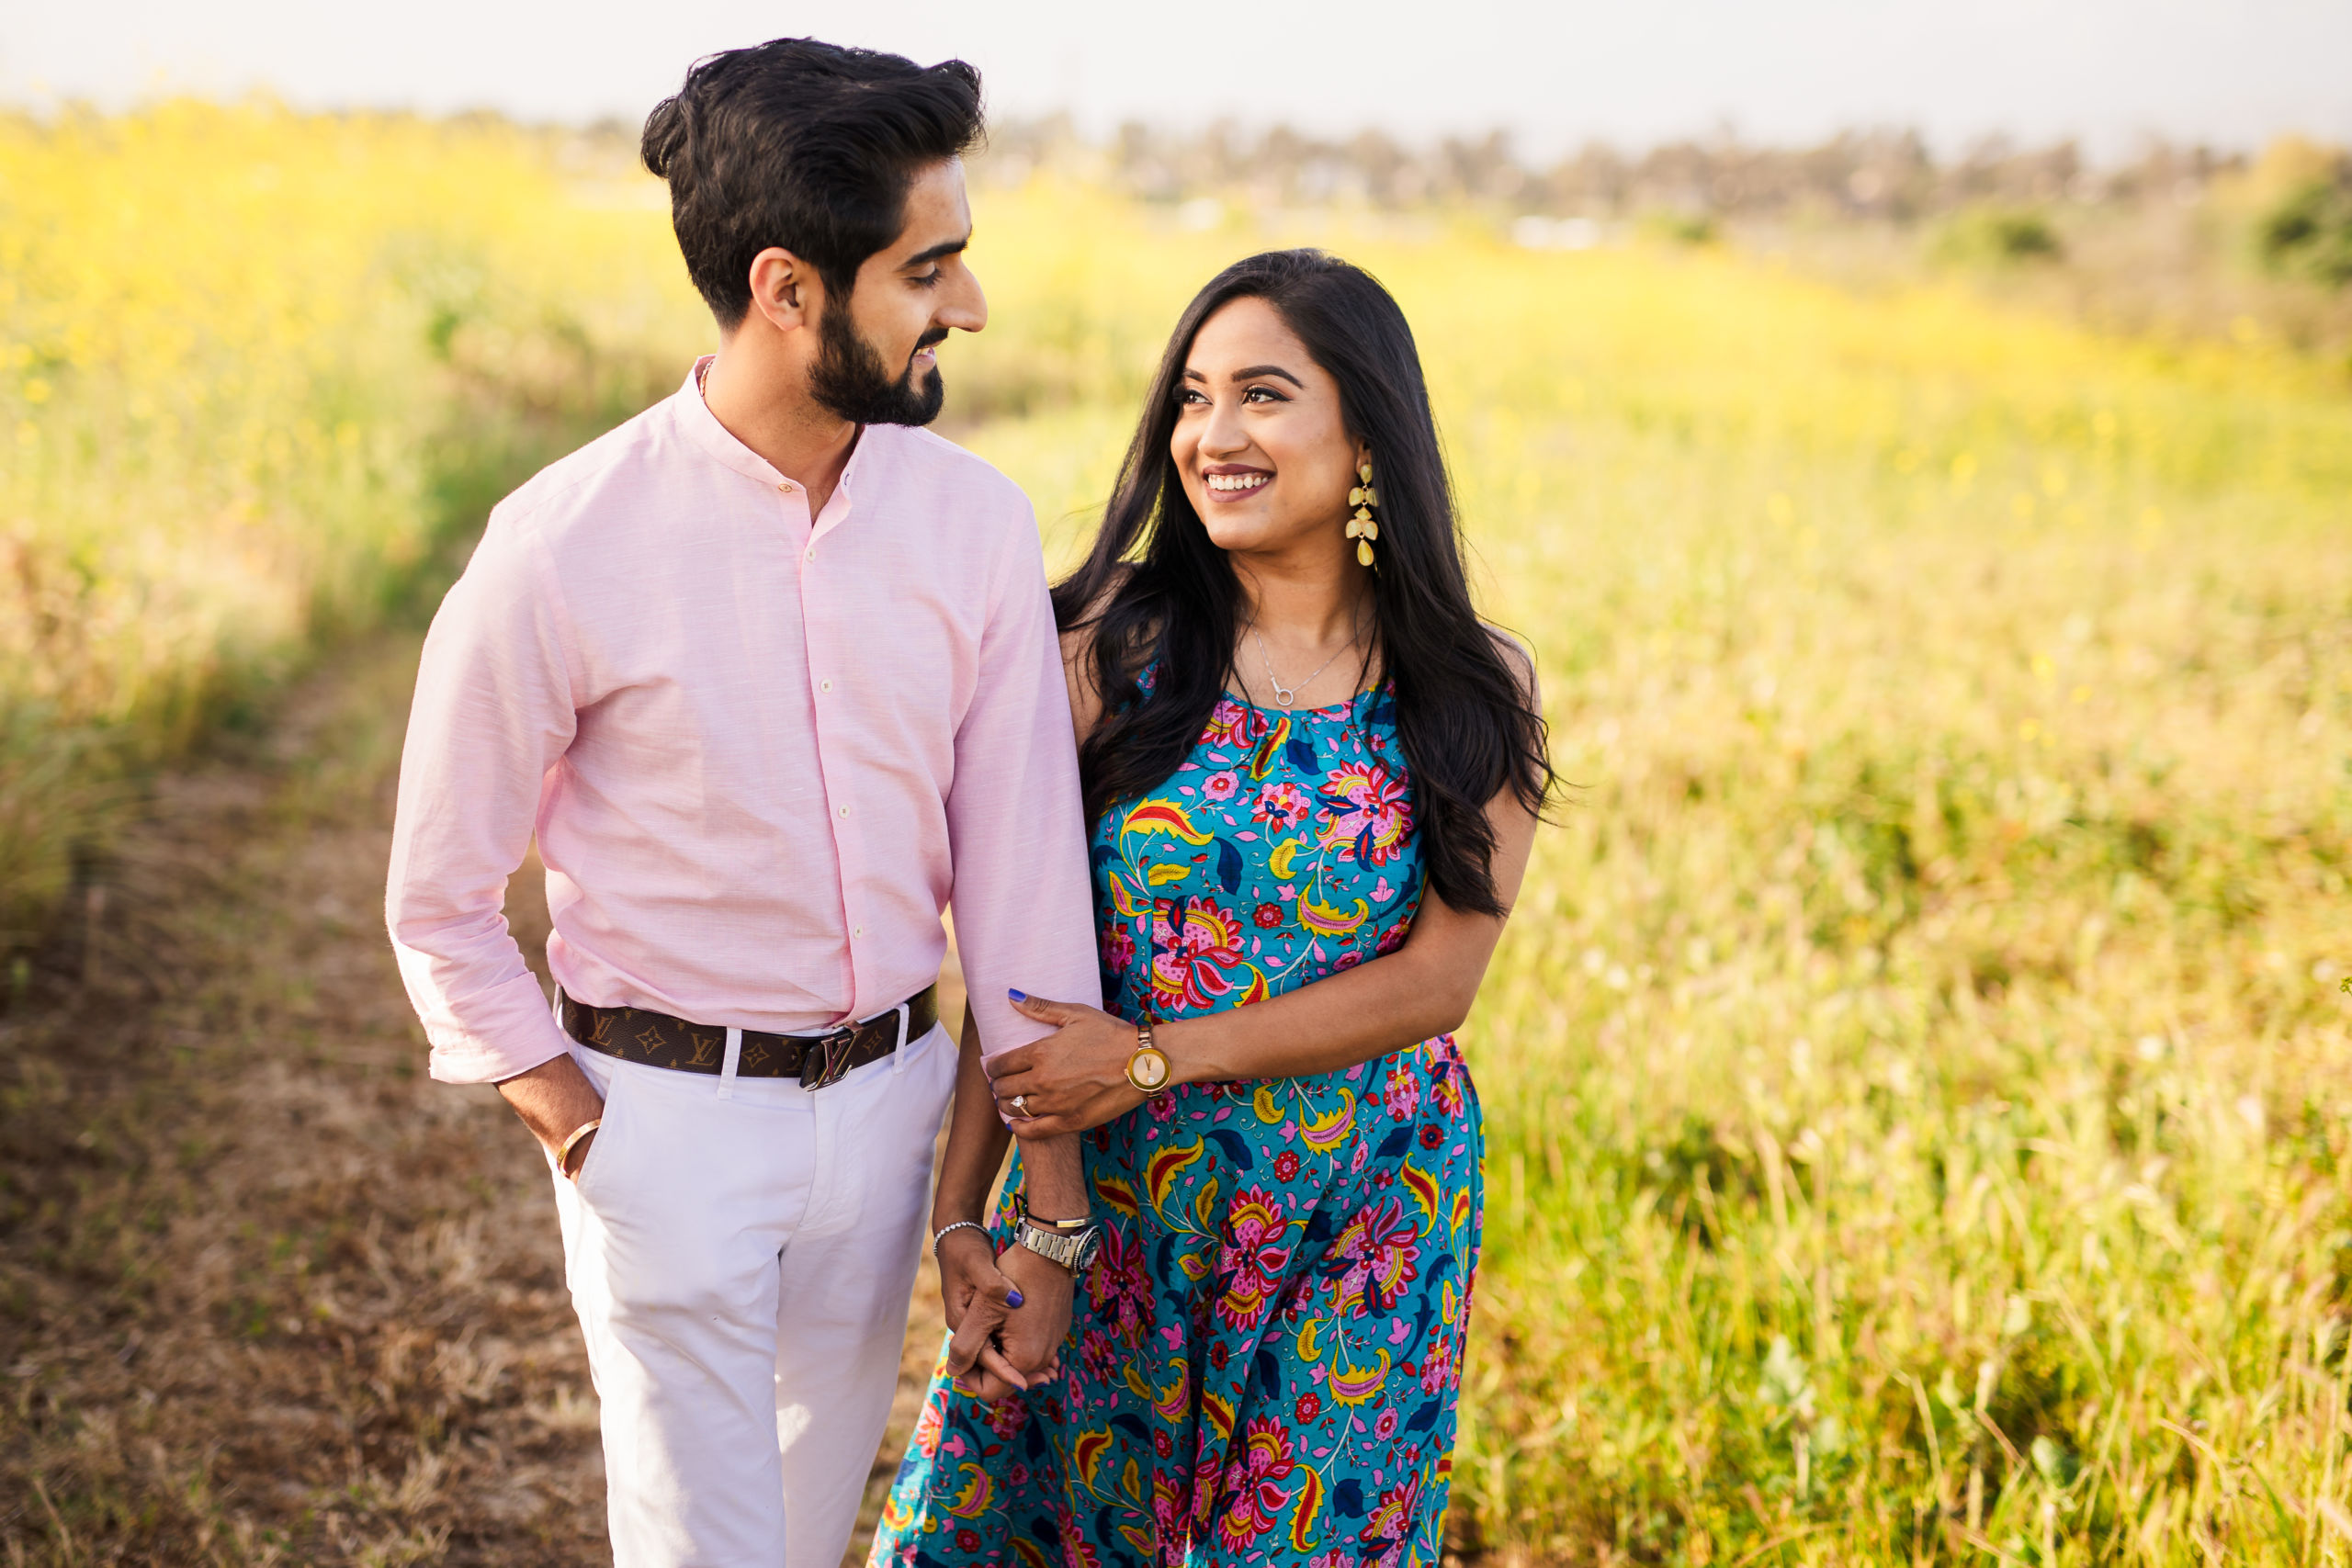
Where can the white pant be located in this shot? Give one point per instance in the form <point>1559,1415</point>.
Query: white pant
<point>740,1253</point>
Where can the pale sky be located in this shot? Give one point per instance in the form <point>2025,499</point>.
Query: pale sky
<point>2233,72</point>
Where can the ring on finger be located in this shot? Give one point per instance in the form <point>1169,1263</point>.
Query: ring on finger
<point>1021,1106</point>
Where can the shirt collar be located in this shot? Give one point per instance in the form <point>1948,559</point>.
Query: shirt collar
<point>702,427</point>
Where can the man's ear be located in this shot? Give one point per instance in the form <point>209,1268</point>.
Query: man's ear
<point>785,290</point>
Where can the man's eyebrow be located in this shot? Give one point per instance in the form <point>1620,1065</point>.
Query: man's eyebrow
<point>944,248</point>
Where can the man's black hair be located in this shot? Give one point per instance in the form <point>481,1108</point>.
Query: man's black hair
<point>802,144</point>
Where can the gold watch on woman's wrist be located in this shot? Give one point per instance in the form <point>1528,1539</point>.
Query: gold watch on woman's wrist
<point>1148,1069</point>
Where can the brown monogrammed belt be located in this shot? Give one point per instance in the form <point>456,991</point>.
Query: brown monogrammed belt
<point>634,1034</point>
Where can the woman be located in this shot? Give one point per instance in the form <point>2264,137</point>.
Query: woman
<point>1315,777</point>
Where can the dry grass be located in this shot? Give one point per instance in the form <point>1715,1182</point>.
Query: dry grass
<point>1915,1072</point>
<point>267,1294</point>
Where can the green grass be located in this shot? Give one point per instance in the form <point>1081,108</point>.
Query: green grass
<point>1916,1069</point>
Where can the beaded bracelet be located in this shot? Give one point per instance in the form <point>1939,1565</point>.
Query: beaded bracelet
<point>945,1231</point>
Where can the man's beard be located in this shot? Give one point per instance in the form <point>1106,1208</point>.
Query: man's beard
<point>851,380</point>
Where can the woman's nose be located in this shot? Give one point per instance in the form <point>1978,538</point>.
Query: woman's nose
<point>1224,433</point>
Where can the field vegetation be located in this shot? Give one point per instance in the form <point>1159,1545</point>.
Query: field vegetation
<point>1916,1073</point>
<point>255,372</point>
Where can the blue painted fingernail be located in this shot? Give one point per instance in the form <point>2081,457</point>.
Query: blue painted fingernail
<point>1016,996</point>
<point>1012,1298</point>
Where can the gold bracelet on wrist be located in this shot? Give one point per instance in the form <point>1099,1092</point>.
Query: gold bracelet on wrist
<point>563,1155</point>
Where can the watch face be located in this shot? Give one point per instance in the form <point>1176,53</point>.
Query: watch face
<point>1150,1069</point>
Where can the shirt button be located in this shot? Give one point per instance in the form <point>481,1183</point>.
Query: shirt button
<point>824,685</point>
<point>857,931</point>
<point>812,552</point>
<point>844,810</point>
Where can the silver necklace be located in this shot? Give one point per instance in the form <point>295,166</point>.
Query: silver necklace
<point>1285,696</point>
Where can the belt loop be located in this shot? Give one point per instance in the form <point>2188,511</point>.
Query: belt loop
<point>906,1020</point>
<point>726,1069</point>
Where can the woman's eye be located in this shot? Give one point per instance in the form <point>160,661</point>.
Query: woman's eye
<point>1189,397</point>
<point>1261,394</point>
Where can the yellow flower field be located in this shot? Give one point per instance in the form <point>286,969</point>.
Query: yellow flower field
<point>252,369</point>
<point>1916,1073</point>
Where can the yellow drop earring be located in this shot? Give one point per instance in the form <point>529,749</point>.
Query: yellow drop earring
<point>1361,528</point>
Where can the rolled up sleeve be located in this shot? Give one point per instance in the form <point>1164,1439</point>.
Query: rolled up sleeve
<point>494,714</point>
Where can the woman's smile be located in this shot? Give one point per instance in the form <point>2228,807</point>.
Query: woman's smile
<point>1230,482</point>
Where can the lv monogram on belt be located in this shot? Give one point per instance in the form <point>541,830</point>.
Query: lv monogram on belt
<point>658,1039</point>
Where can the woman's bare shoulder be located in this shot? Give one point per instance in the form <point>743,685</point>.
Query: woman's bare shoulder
<point>1518,658</point>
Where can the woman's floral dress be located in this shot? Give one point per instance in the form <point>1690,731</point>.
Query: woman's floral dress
<point>1264,1361</point>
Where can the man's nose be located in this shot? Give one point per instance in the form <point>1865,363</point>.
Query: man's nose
<point>967,306</point>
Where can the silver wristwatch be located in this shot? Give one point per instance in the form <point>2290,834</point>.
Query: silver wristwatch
<point>1074,1250</point>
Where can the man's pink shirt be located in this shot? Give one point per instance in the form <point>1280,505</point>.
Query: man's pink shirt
<point>761,753</point>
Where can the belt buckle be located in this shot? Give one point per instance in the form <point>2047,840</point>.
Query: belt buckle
<point>830,1053</point>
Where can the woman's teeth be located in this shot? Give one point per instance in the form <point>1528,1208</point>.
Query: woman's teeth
<point>1238,481</point>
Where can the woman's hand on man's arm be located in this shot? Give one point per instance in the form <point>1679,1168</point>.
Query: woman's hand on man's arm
<point>1075,1078</point>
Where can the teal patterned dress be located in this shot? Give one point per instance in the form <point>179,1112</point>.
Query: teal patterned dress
<point>1265,1361</point>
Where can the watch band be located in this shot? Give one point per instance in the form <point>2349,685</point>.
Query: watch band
<point>1147,1070</point>
<point>1072,1252</point>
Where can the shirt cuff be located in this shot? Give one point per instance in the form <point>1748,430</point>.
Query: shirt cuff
<point>514,1032</point>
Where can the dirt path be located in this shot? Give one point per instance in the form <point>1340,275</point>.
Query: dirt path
<point>268,1294</point>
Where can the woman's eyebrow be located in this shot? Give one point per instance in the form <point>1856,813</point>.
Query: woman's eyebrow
<point>1254,371</point>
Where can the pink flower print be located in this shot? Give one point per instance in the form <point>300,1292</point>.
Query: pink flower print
<point>1367,813</point>
<point>930,1425</point>
<point>1382,1247</point>
<point>1118,946</point>
<point>1445,1088</point>
<point>1077,1552</point>
<point>1390,1521</point>
<point>1006,1417</point>
<point>1394,937</point>
<point>1098,1357</point>
<point>1254,1489</point>
<point>1120,1286</point>
<point>1254,1252</point>
<point>1437,1366</point>
<point>1171,1501</point>
<point>1230,724</point>
<point>1404,1092</point>
<point>1385,1426</point>
<point>1281,805</point>
<point>1221,786</point>
<point>1193,939</point>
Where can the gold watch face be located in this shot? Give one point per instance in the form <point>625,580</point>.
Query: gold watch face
<point>1148,1068</point>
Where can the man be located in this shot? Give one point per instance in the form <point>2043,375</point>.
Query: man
<point>771,673</point>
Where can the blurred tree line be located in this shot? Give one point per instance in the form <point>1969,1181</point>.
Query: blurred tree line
<point>1856,174</point>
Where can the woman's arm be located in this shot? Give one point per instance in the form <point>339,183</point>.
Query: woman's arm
<point>1077,1079</point>
<point>977,1297</point>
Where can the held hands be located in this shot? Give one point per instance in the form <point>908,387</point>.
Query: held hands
<point>1072,1079</point>
<point>990,1316</point>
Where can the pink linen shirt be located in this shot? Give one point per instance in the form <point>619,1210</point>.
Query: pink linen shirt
<point>762,753</point>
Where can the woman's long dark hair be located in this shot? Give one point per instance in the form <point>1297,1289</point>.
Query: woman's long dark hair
<point>1156,587</point>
